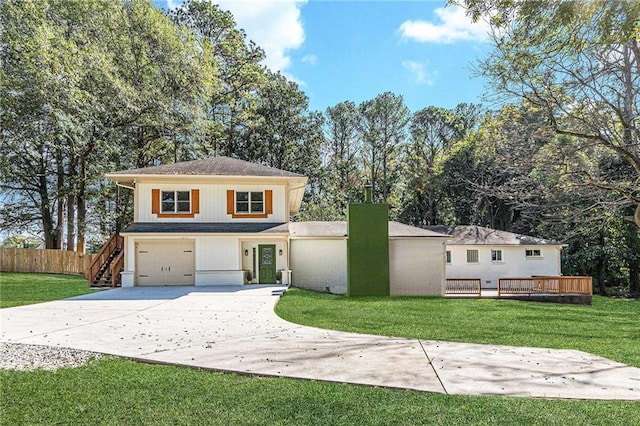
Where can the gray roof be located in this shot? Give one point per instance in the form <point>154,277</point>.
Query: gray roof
<point>216,166</point>
<point>295,229</point>
<point>207,227</point>
<point>478,235</point>
<point>339,229</point>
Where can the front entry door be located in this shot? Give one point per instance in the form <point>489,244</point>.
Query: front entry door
<point>267,264</point>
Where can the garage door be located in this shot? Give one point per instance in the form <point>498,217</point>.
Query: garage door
<point>170,262</point>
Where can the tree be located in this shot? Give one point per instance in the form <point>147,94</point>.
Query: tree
<point>340,154</point>
<point>579,62</point>
<point>231,109</point>
<point>433,131</point>
<point>382,127</point>
<point>87,85</point>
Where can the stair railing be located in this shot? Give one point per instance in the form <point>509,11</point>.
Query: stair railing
<point>117,266</point>
<point>114,242</point>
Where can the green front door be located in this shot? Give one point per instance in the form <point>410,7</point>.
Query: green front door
<point>267,264</point>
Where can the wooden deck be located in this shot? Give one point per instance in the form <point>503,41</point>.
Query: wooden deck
<point>557,289</point>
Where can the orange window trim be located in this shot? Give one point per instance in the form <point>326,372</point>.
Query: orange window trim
<point>268,206</point>
<point>195,205</point>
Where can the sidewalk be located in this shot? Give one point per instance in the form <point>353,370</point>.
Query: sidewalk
<point>235,329</point>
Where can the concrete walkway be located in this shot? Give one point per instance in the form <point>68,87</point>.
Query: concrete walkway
<point>235,329</point>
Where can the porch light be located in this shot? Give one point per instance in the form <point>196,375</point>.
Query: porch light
<point>246,252</point>
<point>280,252</point>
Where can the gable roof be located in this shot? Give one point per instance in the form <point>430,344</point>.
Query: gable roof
<point>478,235</point>
<point>214,166</point>
<point>339,229</point>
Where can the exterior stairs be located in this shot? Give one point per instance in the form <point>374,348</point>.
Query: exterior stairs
<point>105,269</point>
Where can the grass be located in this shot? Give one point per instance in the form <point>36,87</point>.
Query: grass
<point>116,391</point>
<point>18,289</point>
<point>608,328</point>
<point>123,392</point>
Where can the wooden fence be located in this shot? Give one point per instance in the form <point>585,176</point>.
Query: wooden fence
<point>545,285</point>
<point>463,286</point>
<point>44,261</point>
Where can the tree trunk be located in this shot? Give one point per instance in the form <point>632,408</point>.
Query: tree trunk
<point>82,208</point>
<point>71,225</point>
<point>601,265</point>
<point>60,197</point>
<point>49,230</point>
<point>632,241</point>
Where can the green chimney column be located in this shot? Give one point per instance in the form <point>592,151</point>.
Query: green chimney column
<point>368,249</point>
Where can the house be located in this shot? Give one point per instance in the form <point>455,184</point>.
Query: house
<point>489,254</point>
<point>319,258</point>
<point>220,221</point>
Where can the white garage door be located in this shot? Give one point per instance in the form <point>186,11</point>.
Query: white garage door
<point>170,262</point>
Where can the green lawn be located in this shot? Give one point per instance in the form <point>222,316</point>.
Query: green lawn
<point>123,392</point>
<point>609,328</point>
<point>24,289</point>
<point>116,391</point>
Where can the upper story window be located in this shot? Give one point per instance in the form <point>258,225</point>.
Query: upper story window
<point>249,202</point>
<point>533,253</point>
<point>496,255</point>
<point>176,202</point>
<point>472,256</point>
<point>448,256</point>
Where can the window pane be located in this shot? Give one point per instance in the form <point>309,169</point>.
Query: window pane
<point>257,207</point>
<point>184,206</point>
<point>496,255</point>
<point>448,256</point>
<point>168,206</point>
<point>472,256</point>
<point>242,207</point>
<point>533,253</point>
<point>168,195</point>
<point>242,196</point>
<point>183,195</point>
<point>256,196</point>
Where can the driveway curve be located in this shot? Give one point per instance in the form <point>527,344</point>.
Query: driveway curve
<point>235,329</point>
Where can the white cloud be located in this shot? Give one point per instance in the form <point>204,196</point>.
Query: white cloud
<point>309,59</point>
<point>172,4</point>
<point>454,26</point>
<point>420,73</point>
<point>274,25</point>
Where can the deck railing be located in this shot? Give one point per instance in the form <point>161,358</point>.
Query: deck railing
<point>463,286</point>
<point>545,285</point>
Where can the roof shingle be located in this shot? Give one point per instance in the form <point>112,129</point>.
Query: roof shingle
<point>478,235</point>
<point>215,166</point>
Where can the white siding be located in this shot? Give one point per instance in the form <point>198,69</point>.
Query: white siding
<point>416,266</point>
<point>213,202</point>
<point>319,264</point>
<point>218,260</point>
<point>217,253</point>
<point>514,263</point>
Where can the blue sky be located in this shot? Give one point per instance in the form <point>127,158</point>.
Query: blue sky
<point>354,50</point>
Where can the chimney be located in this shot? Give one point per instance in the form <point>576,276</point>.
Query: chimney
<point>367,193</point>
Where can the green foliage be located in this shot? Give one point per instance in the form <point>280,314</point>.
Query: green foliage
<point>18,289</point>
<point>606,328</point>
<point>22,241</point>
<point>117,391</point>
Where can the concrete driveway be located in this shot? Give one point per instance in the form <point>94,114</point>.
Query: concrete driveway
<point>236,329</point>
